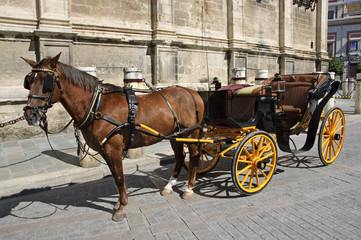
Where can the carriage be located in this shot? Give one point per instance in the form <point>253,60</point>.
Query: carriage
<point>243,123</point>
<point>240,122</point>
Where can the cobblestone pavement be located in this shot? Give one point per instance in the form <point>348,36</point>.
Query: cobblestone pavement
<point>304,199</point>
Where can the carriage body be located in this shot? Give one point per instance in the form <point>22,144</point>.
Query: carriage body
<point>245,123</point>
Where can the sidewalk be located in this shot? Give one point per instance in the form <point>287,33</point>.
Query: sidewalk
<point>31,165</point>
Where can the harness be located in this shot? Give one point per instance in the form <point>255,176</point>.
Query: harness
<point>93,107</point>
<point>92,114</point>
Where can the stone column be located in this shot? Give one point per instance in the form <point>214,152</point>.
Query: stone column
<point>321,36</point>
<point>53,21</point>
<point>285,33</point>
<point>357,94</point>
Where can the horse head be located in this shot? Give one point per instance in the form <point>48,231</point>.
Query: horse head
<point>44,89</point>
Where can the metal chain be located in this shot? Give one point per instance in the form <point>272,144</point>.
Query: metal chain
<point>12,122</point>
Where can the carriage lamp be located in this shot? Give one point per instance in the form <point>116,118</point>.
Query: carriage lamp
<point>278,87</point>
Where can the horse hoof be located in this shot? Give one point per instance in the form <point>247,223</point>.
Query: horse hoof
<point>187,195</point>
<point>119,215</point>
<point>166,192</point>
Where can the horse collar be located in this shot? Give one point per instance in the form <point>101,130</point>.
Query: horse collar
<point>93,107</point>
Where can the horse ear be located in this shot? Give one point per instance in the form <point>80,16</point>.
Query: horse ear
<point>30,62</point>
<point>54,60</point>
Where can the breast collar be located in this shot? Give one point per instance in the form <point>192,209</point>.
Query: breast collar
<point>93,107</point>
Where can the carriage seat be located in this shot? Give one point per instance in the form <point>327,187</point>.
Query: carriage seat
<point>297,88</point>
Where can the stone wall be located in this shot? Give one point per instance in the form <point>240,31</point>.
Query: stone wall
<point>174,42</point>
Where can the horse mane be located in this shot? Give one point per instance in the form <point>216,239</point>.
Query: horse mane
<point>78,77</point>
<point>84,79</point>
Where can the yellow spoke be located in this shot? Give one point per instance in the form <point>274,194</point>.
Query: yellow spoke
<point>326,141</point>
<point>247,153</point>
<point>333,149</point>
<point>268,155</point>
<point>338,122</point>
<point>338,129</point>
<point>245,177</point>
<point>263,173</point>
<point>257,179</point>
<point>244,169</point>
<point>325,151</point>
<point>260,143</point>
<point>251,180</point>
<point>253,147</point>
<point>264,149</point>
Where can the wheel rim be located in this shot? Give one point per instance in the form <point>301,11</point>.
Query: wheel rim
<point>332,136</point>
<point>255,163</point>
<point>208,159</point>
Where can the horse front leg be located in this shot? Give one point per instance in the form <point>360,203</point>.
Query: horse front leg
<point>194,155</point>
<point>179,156</point>
<point>114,159</point>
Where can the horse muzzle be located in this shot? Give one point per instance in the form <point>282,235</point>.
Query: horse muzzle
<point>33,115</point>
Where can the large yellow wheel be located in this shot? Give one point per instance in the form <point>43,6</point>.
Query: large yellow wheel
<point>208,159</point>
<point>254,162</point>
<point>331,136</point>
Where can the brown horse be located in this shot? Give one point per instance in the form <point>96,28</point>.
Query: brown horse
<point>165,111</point>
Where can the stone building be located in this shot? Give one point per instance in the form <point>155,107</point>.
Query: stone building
<point>186,42</point>
<point>344,34</point>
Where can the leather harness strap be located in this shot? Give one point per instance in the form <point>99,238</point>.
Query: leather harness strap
<point>93,107</point>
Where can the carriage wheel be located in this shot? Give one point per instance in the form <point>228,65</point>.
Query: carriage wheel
<point>254,162</point>
<point>208,159</point>
<point>331,136</point>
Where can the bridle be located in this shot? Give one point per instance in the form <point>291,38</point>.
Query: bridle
<point>48,87</point>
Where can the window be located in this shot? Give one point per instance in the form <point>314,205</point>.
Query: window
<point>330,49</point>
<point>354,45</point>
<point>331,14</point>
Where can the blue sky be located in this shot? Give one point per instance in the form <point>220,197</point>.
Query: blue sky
<point>351,0</point>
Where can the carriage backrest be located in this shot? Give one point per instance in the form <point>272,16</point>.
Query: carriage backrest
<point>298,86</point>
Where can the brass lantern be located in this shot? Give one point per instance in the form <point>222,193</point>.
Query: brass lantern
<point>278,85</point>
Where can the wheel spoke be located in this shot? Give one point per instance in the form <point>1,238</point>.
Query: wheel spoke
<point>257,178</point>
<point>244,169</point>
<point>251,180</point>
<point>268,155</point>
<point>245,177</point>
<point>260,144</point>
<point>263,173</point>
<point>338,129</point>
<point>264,149</point>
<point>325,142</point>
<point>333,148</point>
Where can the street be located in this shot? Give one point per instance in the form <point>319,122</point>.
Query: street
<point>304,200</point>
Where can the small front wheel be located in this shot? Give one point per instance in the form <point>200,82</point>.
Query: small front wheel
<point>331,136</point>
<point>254,162</point>
<point>208,158</point>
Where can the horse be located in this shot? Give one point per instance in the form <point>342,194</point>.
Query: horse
<point>107,121</point>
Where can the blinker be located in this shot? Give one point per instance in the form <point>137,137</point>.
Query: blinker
<point>26,82</point>
<point>48,84</point>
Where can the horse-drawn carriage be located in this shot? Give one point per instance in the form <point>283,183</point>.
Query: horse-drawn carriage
<point>243,123</point>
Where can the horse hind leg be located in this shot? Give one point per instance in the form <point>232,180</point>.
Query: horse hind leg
<point>179,156</point>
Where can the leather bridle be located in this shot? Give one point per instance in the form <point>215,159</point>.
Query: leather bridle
<point>48,87</point>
